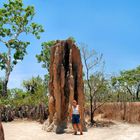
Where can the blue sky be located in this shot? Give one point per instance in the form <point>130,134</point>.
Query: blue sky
<point>111,27</point>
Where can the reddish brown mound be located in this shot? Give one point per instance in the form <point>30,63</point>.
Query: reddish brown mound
<point>1,132</point>
<point>66,84</point>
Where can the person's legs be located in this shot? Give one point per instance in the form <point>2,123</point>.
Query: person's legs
<point>74,124</point>
<point>80,128</point>
<point>75,128</point>
<point>79,124</point>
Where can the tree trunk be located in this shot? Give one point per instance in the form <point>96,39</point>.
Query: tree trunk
<point>5,82</point>
<point>91,112</point>
<point>133,96</point>
<point>124,110</point>
<point>137,93</point>
<point>4,88</point>
<point>92,120</point>
<point>7,74</point>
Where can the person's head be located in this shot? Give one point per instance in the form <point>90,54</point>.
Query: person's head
<point>74,103</point>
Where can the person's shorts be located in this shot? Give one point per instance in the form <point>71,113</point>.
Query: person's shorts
<point>75,118</point>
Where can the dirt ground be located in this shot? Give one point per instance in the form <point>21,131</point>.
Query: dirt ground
<point>30,130</point>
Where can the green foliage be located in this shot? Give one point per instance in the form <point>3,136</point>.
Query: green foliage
<point>99,88</point>
<point>33,84</point>
<point>3,59</point>
<point>15,20</point>
<point>0,86</point>
<point>44,56</point>
<point>72,38</point>
<point>128,82</point>
<point>18,97</point>
<point>130,77</point>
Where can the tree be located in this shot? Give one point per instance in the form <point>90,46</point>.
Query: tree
<point>129,81</point>
<point>99,86</point>
<point>93,82</point>
<point>17,93</point>
<point>36,90</point>
<point>33,84</point>
<point>44,56</point>
<point>15,20</point>
<point>0,86</point>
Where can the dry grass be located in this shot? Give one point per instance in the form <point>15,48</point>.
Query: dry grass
<point>129,112</point>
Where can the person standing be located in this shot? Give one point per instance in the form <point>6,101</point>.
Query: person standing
<point>75,115</point>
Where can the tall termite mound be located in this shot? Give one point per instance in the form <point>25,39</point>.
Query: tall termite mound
<point>1,132</point>
<point>66,84</point>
